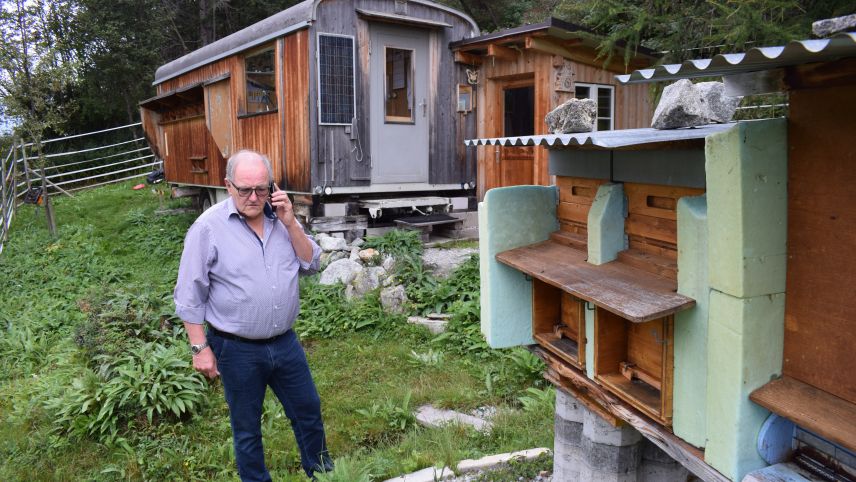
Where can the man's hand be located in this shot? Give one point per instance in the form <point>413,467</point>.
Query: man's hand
<point>284,210</point>
<point>205,363</point>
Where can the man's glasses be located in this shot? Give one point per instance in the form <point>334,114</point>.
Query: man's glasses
<point>261,192</point>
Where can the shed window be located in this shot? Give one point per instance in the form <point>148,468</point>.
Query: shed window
<point>604,96</point>
<point>261,82</point>
<point>399,85</point>
<point>335,79</point>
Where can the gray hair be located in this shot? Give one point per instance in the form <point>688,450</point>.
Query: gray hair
<point>235,158</point>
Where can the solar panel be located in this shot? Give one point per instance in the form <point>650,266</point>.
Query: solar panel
<point>336,78</point>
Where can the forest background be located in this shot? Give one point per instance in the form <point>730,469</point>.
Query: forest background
<point>72,66</point>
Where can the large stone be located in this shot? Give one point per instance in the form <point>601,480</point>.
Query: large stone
<point>341,271</point>
<point>333,244</point>
<point>394,299</point>
<point>434,326</point>
<point>367,255</point>
<point>430,474</point>
<point>830,26</point>
<point>575,115</point>
<point>684,104</point>
<point>366,280</point>
<point>429,416</point>
<point>442,262</point>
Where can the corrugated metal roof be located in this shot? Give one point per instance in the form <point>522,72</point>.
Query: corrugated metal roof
<point>606,139</point>
<point>756,59</point>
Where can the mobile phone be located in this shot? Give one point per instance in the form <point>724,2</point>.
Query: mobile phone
<point>270,213</point>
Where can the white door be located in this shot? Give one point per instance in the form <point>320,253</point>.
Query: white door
<point>399,109</point>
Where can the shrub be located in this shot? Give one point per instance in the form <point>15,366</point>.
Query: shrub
<point>151,382</point>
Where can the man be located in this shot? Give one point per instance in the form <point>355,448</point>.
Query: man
<point>239,274</point>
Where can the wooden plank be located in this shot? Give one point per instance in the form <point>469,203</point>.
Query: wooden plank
<point>501,53</point>
<point>467,59</point>
<point>811,408</point>
<point>573,212</point>
<point>570,239</point>
<point>610,342</point>
<point>583,397</point>
<point>578,189</point>
<point>687,455</point>
<point>546,305</point>
<point>820,326</point>
<point>660,229</point>
<point>624,290</point>
<point>645,343</point>
<point>653,263</point>
<point>656,200</point>
<point>654,247</point>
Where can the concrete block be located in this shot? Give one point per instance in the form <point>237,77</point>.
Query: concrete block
<point>650,471</point>
<point>589,474</point>
<point>689,403</point>
<point>509,218</point>
<point>566,465</point>
<point>747,208</point>
<point>568,433</point>
<point>746,341</point>
<point>430,474</point>
<point>569,408</point>
<point>492,461</point>
<point>599,431</point>
<point>606,224</point>
<point>610,458</point>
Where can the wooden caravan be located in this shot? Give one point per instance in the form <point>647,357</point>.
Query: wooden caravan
<point>520,74</point>
<point>696,283</point>
<point>353,101</point>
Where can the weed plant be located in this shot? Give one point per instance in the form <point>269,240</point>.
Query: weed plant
<point>95,376</point>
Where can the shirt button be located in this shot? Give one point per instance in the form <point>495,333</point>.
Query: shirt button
<point>276,307</point>
<point>274,287</point>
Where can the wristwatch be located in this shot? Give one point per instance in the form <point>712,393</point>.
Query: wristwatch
<point>195,349</point>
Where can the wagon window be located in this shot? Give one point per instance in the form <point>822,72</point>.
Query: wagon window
<point>335,79</point>
<point>398,81</point>
<point>261,82</point>
<point>603,95</point>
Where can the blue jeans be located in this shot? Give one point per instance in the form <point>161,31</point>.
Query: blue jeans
<point>247,369</point>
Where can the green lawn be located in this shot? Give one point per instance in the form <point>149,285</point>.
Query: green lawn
<point>96,382</point>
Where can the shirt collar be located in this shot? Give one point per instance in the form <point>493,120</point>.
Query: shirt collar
<point>232,209</point>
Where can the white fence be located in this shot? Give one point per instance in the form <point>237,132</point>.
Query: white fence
<point>65,172</point>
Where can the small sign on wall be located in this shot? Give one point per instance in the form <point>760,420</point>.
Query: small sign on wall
<point>564,80</point>
<point>466,101</point>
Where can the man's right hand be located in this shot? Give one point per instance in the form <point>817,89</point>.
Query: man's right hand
<point>205,363</point>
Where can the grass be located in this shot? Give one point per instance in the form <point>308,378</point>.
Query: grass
<point>75,310</point>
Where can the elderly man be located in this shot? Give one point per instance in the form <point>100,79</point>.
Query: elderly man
<point>239,274</point>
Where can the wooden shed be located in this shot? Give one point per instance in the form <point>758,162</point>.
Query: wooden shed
<point>351,101</point>
<point>521,74</point>
<point>696,284</point>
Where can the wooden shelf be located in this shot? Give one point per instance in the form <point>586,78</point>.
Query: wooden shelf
<point>627,291</point>
<point>811,408</point>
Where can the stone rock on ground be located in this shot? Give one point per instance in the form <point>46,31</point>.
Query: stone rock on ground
<point>329,243</point>
<point>575,115</point>
<point>429,474</point>
<point>429,416</point>
<point>365,281</point>
<point>493,461</point>
<point>443,261</point>
<point>394,299</point>
<point>684,104</point>
<point>341,271</point>
<point>367,255</point>
<point>434,326</point>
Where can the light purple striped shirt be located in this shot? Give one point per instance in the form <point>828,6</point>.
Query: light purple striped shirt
<point>237,282</point>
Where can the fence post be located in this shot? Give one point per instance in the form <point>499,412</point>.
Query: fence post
<point>49,212</point>
<point>4,196</point>
<point>26,165</point>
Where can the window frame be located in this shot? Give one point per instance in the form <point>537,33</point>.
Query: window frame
<point>593,94</point>
<point>353,76</point>
<point>246,111</point>
<point>391,119</point>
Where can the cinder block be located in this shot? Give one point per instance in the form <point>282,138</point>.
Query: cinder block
<point>599,431</point>
<point>609,458</point>
<point>650,471</point>
<point>786,472</point>
<point>746,340</point>
<point>510,217</point>
<point>589,474</point>
<point>689,402</point>
<point>569,408</point>
<point>566,465</point>
<point>568,433</point>
<point>606,224</point>
<point>746,171</point>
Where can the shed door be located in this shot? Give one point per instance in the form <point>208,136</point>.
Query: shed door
<point>399,108</point>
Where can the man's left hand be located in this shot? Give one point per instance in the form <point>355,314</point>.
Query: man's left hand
<point>284,209</point>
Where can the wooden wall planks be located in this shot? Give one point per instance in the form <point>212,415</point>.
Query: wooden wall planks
<point>820,309</point>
